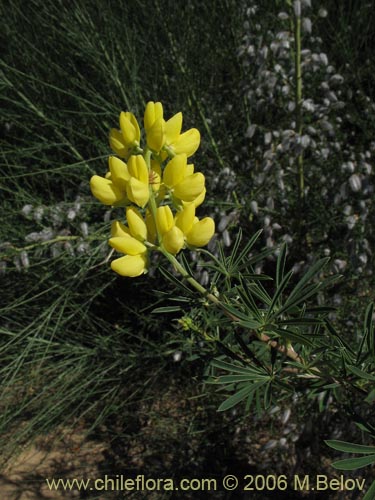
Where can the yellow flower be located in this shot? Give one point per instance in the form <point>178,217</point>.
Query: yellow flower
<point>197,232</point>
<point>128,137</point>
<point>154,126</point>
<point>186,143</point>
<point>112,190</point>
<point>137,186</point>
<point>171,236</point>
<point>185,185</point>
<point>130,241</point>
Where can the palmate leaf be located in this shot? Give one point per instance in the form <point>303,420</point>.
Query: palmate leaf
<point>247,299</point>
<point>241,395</point>
<point>237,256</point>
<point>279,291</point>
<point>242,318</point>
<point>310,273</point>
<point>224,365</point>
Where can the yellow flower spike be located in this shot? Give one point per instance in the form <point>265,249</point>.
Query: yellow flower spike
<point>190,188</point>
<point>130,265</point>
<point>106,191</point>
<point>137,225</point>
<point>127,244</point>
<point>187,143</point>
<point>156,135</point>
<point>173,129</point>
<point>119,172</point>
<point>164,219</point>
<point>118,229</point>
<point>173,240</point>
<point>130,129</point>
<point>175,171</point>
<point>201,232</point>
<point>184,220</point>
<point>153,112</point>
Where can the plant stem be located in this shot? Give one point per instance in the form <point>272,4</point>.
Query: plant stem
<point>298,104</point>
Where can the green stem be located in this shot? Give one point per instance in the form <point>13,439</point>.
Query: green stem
<point>298,104</point>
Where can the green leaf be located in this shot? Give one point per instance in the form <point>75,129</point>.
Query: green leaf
<point>235,259</point>
<point>369,329</point>
<point>259,291</point>
<point>280,265</point>
<point>370,494</point>
<point>354,463</point>
<point>240,395</point>
<point>360,373</point>
<point>371,397</point>
<point>293,336</point>
<point>247,298</point>
<point>223,365</point>
<point>349,447</point>
<point>166,309</point>
<point>231,379</point>
<point>279,291</point>
<point>310,273</point>
<point>243,318</point>
<point>301,321</point>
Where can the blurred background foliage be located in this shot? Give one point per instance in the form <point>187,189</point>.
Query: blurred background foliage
<point>78,342</point>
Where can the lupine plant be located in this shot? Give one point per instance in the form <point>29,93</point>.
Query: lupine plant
<point>274,340</point>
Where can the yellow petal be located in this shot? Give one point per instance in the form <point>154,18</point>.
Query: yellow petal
<point>119,172</point>
<point>155,175</point>
<point>175,171</point>
<point>105,191</point>
<point>137,225</point>
<point>164,219</point>
<point>153,111</point>
<point>190,169</point>
<point>130,265</point>
<point>200,199</point>
<point>116,141</point>
<point>156,135</point>
<point>137,168</point>
<point>185,219</point>
<point>127,244</point>
<point>137,192</point>
<point>190,188</point>
<point>173,240</point>
<point>188,142</point>
<point>173,128</point>
<point>133,120</point>
<point>118,229</point>
<point>128,130</point>
<point>201,232</point>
